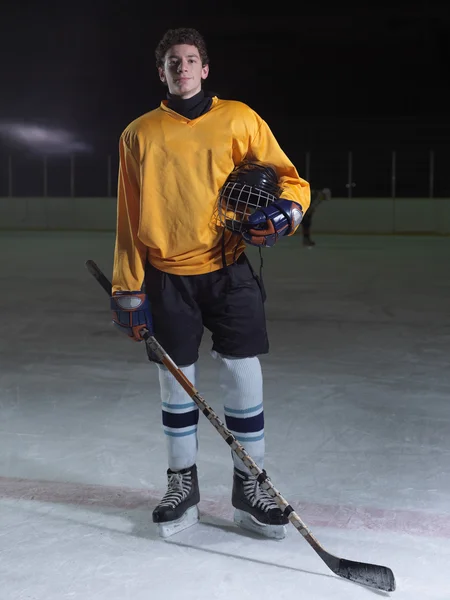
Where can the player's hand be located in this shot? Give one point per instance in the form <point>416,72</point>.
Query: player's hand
<point>131,314</point>
<point>268,224</point>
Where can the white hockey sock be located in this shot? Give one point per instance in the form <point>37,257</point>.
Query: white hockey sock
<point>241,383</point>
<point>179,417</point>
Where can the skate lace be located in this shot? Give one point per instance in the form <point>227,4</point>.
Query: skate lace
<point>258,497</point>
<point>178,488</point>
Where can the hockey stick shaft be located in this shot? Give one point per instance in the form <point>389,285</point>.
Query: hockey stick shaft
<point>376,576</point>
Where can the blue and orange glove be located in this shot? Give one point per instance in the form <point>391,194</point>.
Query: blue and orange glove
<point>131,314</point>
<point>266,225</point>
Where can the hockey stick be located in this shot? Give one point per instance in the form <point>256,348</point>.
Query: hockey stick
<point>375,576</point>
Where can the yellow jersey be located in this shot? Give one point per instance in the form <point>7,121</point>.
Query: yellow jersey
<point>171,170</point>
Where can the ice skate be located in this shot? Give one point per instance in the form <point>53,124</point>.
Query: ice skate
<point>255,510</point>
<point>178,508</point>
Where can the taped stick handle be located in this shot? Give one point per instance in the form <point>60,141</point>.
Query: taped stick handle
<point>99,276</point>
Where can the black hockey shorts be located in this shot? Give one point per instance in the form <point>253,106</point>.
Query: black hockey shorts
<point>228,302</point>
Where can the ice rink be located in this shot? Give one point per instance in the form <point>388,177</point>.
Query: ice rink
<point>357,410</point>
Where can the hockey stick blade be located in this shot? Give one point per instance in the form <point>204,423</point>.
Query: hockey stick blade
<point>374,576</point>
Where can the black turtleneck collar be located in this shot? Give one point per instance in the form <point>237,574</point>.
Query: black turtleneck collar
<point>191,108</point>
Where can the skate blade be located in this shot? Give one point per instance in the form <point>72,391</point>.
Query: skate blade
<point>246,521</point>
<point>190,517</point>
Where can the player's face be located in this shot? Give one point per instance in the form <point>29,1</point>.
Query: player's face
<point>183,71</point>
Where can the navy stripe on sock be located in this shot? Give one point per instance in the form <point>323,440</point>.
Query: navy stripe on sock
<point>180,420</point>
<point>249,425</point>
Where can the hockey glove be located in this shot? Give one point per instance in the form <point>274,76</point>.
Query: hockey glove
<point>131,313</point>
<point>268,224</point>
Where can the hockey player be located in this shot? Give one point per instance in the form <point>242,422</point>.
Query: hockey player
<point>177,270</point>
<point>317,197</point>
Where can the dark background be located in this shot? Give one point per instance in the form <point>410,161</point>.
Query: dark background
<point>370,82</point>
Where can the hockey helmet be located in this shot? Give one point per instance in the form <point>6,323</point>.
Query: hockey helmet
<point>250,186</point>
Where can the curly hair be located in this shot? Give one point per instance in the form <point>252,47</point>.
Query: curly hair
<point>182,35</point>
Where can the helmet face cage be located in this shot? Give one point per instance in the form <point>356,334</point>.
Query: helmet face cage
<point>249,187</point>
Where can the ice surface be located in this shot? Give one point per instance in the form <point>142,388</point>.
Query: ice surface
<point>357,407</point>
